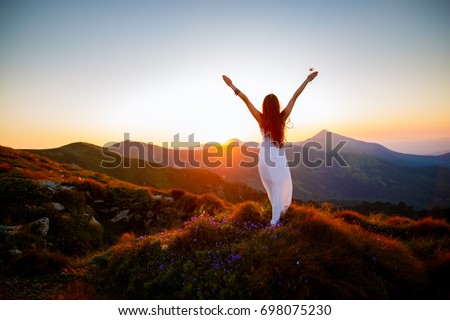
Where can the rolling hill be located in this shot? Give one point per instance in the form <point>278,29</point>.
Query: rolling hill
<point>374,173</point>
<point>140,172</point>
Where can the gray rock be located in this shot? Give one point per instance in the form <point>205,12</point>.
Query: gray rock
<point>52,186</point>
<point>40,226</point>
<point>11,230</point>
<point>157,197</point>
<point>121,216</point>
<point>94,223</point>
<point>58,206</point>
<point>15,252</point>
<point>169,199</point>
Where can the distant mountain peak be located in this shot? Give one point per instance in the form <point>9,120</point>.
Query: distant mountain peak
<point>321,136</point>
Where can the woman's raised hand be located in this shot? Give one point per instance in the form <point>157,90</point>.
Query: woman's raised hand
<point>312,76</point>
<point>227,80</point>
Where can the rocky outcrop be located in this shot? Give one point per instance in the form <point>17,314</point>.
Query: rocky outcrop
<point>58,206</point>
<point>95,224</point>
<point>158,197</point>
<point>15,252</point>
<point>39,228</point>
<point>122,215</point>
<point>53,186</point>
<point>11,230</point>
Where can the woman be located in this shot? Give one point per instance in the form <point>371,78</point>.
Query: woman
<point>272,164</point>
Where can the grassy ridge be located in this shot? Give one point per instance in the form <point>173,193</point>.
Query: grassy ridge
<point>140,172</point>
<point>314,254</point>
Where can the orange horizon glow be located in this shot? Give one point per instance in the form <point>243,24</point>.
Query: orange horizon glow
<point>400,141</point>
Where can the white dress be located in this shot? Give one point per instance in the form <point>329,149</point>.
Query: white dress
<point>275,176</point>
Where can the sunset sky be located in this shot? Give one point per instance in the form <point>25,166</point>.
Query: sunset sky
<point>94,70</point>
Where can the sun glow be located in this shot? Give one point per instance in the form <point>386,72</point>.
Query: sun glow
<point>154,71</point>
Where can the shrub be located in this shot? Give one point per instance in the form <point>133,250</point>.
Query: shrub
<point>17,191</point>
<point>74,201</point>
<point>429,225</point>
<point>248,212</point>
<point>397,221</point>
<point>187,204</point>
<point>401,274</point>
<point>96,189</point>
<point>72,234</point>
<point>305,260</point>
<point>350,216</point>
<point>210,204</point>
<point>128,197</point>
<point>177,193</point>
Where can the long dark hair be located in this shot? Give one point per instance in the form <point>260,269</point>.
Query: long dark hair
<point>272,122</point>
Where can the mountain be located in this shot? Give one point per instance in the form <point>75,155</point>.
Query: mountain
<point>325,167</point>
<point>370,172</point>
<point>367,172</point>
<point>380,152</point>
<point>145,173</point>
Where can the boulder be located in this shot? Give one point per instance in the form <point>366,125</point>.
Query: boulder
<point>52,186</point>
<point>121,216</point>
<point>168,199</point>
<point>95,224</point>
<point>11,230</point>
<point>40,226</point>
<point>15,252</point>
<point>58,206</point>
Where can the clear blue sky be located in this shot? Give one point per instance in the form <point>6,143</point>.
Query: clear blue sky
<point>93,70</point>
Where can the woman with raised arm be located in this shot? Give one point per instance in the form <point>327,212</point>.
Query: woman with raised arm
<point>272,164</point>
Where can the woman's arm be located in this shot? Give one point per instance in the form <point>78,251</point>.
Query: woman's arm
<point>255,113</point>
<point>287,111</point>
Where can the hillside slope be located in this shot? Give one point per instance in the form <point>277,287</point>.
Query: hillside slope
<point>374,173</point>
<point>143,173</point>
<point>109,239</point>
